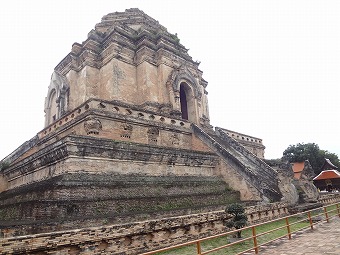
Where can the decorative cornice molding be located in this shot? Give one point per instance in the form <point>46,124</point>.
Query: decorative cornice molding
<point>85,146</point>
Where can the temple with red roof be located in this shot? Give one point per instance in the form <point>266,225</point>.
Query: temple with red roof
<point>329,178</point>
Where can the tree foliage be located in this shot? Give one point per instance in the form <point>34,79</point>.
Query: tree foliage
<point>239,219</point>
<point>311,152</point>
<point>3,165</point>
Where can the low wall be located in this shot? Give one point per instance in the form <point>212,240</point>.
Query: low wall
<point>329,198</point>
<point>139,237</point>
<point>134,238</point>
<point>262,213</point>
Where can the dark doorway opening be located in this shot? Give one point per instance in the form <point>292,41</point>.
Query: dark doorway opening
<point>184,103</point>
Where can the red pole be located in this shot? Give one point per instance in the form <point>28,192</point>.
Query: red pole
<point>310,220</point>
<point>288,228</point>
<point>199,250</point>
<point>256,249</point>
<point>326,214</point>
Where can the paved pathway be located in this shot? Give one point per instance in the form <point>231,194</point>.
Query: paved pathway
<point>324,239</point>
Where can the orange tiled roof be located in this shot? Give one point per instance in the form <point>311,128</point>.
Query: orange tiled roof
<point>298,166</point>
<point>327,174</point>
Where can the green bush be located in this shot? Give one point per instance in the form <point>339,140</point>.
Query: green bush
<point>239,219</point>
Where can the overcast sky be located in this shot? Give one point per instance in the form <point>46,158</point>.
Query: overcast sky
<point>273,67</point>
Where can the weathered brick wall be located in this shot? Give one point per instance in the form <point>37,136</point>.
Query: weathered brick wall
<point>82,199</point>
<point>139,237</point>
<point>133,238</point>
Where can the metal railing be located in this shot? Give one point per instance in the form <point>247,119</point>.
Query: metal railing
<point>258,235</point>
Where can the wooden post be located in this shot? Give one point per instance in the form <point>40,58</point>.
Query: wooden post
<point>310,220</point>
<point>288,228</point>
<point>338,209</point>
<point>326,214</point>
<point>199,250</point>
<point>256,249</point>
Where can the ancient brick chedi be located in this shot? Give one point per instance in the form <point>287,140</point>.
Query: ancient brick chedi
<point>126,137</point>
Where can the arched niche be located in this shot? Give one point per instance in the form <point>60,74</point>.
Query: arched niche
<point>57,98</point>
<point>187,102</point>
<point>184,102</point>
<point>183,74</point>
<point>52,116</point>
<point>185,94</point>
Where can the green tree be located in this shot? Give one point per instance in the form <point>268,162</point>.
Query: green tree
<point>3,165</point>
<point>311,152</point>
<point>239,219</point>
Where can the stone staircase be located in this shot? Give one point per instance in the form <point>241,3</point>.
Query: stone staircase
<point>255,171</point>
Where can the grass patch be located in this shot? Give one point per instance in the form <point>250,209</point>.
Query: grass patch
<point>296,223</point>
<point>332,210</point>
<point>246,244</point>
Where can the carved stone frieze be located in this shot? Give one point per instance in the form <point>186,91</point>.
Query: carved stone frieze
<point>174,139</point>
<point>92,126</point>
<point>138,152</point>
<point>153,134</point>
<point>126,131</point>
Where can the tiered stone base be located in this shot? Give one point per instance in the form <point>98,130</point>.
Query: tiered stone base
<point>84,199</point>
